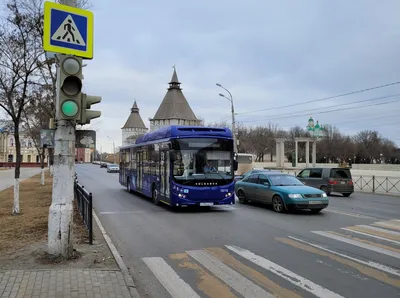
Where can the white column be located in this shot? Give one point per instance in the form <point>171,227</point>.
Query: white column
<point>307,154</point>
<point>314,153</point>
<point>278,152</point>
<point>283,154</point>
<point>296,151</point>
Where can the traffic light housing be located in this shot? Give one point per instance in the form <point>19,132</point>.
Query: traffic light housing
<point>87,114</point>
<point>70,88</point>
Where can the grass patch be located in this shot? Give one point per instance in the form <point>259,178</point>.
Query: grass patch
<point>31,225</point>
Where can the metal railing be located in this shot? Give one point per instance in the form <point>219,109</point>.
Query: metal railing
<point>85,207</point>
<point>374,184</point>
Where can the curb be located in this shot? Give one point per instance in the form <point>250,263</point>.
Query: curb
<point>124,270</point>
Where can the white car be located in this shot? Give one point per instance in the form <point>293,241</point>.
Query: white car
<point>113,168</point>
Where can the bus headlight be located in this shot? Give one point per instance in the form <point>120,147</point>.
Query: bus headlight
<point>227,195</point>
<point>182,196</point>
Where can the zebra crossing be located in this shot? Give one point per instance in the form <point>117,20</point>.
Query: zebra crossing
<point>233,271</point>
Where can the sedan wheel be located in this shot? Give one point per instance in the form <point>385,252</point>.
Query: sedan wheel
<point>242,197</point>
<point>277,204</point>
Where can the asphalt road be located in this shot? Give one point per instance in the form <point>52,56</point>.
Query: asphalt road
<point>351,249</point>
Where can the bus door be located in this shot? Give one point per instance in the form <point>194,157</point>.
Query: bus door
<point>139,163</point>
<point>164,173</point>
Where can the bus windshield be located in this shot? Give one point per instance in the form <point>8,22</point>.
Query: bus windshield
<point>203,159</point>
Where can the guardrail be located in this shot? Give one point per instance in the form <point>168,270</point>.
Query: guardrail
<point>85,206</point>
<point>374,184</point>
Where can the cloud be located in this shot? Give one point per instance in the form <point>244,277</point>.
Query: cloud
<point>267,53</point>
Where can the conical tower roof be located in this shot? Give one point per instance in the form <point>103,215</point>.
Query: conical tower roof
<point>134,120</point>
<point>174,104</point>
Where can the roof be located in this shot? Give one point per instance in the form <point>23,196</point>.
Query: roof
<point>174,104</point>
<point>134,119</point>
<point>175,131</point>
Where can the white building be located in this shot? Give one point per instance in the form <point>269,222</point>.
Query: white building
<point>174,109</point>
<point>134,127</point>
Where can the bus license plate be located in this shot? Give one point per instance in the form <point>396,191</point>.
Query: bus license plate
<point>206,204</point>
<point>315,202</point>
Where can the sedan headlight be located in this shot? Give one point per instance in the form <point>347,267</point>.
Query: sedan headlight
<point>295,196</point>
<point>324,195</point>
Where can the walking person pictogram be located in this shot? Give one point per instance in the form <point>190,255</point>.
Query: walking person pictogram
<point>68,28</point>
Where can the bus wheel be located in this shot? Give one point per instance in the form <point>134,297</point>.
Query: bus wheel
<point>155,196</point>
<point>242,197</point>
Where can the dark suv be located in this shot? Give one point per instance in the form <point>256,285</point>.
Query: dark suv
<point>328,179</point>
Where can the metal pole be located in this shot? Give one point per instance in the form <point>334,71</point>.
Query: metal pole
<point>61,209</point>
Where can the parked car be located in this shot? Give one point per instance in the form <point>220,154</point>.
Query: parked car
<point>283,191</point>
<point>329,180</point>
<point>103,165</point>
<point>113,168</point>
<point>254,171</point>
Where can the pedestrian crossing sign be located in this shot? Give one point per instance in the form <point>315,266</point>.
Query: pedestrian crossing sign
<point>68,30</point>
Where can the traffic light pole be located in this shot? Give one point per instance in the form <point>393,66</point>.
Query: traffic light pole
<point>61,209</point>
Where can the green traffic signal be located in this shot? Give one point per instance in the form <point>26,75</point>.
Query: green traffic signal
<point>69,108</point>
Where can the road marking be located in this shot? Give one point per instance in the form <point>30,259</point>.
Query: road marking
<point>249,272</point>
<point>121,212</point>
<point>388,224</point>
<point>175,286</point>
<point>366,270</point>
<point>376,231</point>
<point>351,229</point>
<point>232,278</point>
<point>342,238</point>
<point>349,214</point>
<point>290,276</point>
<point>368,263</point>
<point>206,282</point>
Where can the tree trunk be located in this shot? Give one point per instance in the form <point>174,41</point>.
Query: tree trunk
<point>15,210</point>
<point>41,156</point>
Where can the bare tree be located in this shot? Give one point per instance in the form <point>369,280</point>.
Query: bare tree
<point>20,55</point>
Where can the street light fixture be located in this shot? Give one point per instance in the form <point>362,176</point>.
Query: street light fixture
<point>233,115</point>
<point>115,157</point>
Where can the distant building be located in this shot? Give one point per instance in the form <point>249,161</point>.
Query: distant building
<point>174,109</point>
<point>134,127</point>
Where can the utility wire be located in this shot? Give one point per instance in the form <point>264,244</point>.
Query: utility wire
<point>334,106</point>
<point>322,112</point>
<point>322,99</point>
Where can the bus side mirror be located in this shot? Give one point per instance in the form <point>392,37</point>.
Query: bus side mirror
<point>235,165</point>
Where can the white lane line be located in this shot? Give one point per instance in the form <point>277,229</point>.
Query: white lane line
<point>229,276</point>
<point>380,230</point>
<point>359,244</point>
<point>175,285</point>
<point>368,263</point>
<point>373,236</point>
<point>390,225</point>
<point>290,276</point>
<point>349,214</point>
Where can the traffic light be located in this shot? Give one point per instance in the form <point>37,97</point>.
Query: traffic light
<point>70,88</point>
<point>86,113</point>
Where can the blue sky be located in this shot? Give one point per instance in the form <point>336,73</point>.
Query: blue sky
<point>267,53</point>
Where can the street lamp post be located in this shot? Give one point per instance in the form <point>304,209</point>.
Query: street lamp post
<point>115,157</point>
<point>233,116</point>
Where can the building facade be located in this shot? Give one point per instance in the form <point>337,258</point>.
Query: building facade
<point>174,109</point>
<point>29,152</point>
<point>134,127</point>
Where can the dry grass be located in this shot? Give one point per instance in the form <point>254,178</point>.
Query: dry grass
<point>31,225</point>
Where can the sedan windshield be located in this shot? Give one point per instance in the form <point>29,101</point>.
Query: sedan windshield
<point>284,180</point>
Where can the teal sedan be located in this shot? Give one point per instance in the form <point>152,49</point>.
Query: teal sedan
<point>282,191</point>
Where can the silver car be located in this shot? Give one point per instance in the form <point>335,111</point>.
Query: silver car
<point>113,168</point>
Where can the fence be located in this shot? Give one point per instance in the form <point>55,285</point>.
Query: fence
<point>85,207</point>
<point>374,184</point>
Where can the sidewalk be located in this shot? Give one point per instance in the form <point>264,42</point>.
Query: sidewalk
<point>7,176</point>
<point>27,271</point>
<point>63,283</point>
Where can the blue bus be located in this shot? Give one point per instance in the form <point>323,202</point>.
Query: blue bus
<point>181,166</point>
